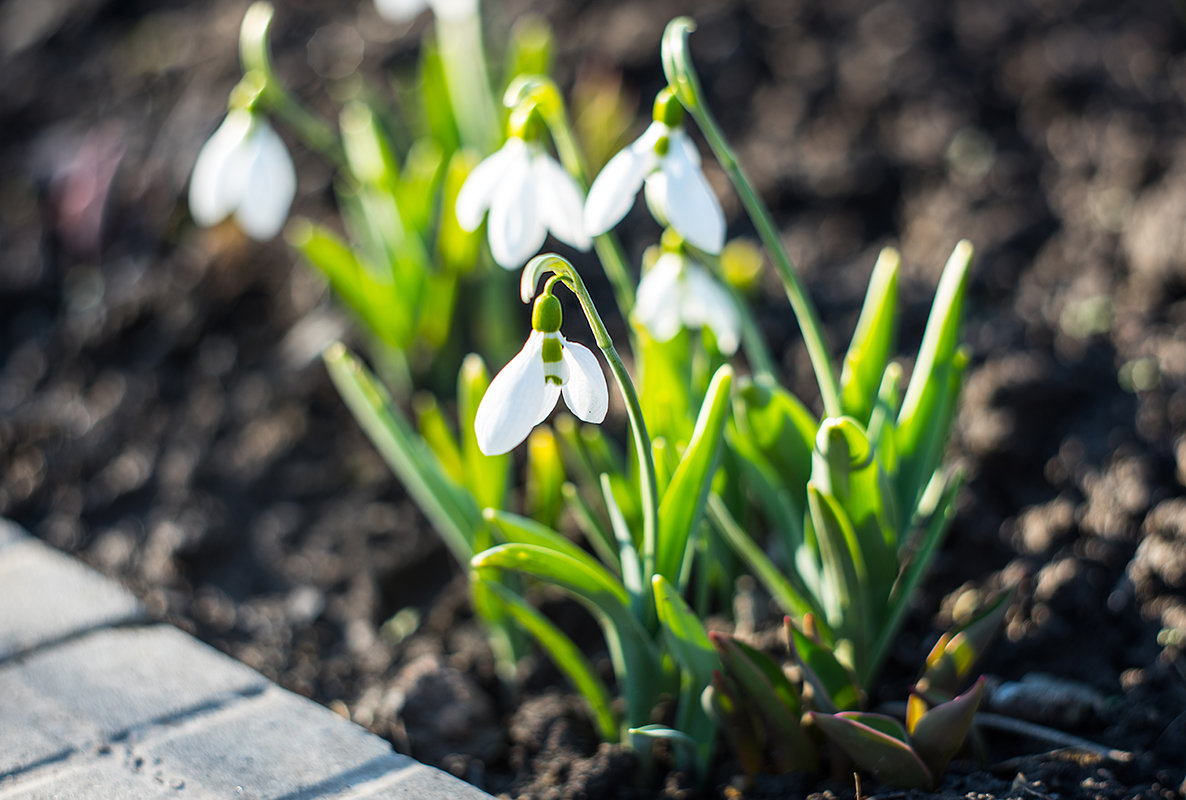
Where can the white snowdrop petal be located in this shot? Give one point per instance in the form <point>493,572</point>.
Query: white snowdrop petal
<point>516,229</point>
<point>454,10</point>
<point>399,10</point>
<point>510,408</point>
<point>560,202</point>
<point>269,185</point>
<point>657,307</point>
<point>613,191</point>
<point>210,202</point>
<point>708,304</point>
<point>480,187</point>
<point>680,140</point>
<point>691,207</point>
<point>585,390</point>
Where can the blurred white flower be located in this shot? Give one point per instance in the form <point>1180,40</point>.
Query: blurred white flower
<point>666,160</point>
<point>528,194</point>
<point>525,391</point>
<point>677,293</point>
<point>404,10</point>
<point>243,170</point>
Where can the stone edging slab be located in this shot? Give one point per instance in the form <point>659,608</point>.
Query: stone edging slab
<point>97,701</point>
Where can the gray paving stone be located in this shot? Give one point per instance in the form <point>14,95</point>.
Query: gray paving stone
<point>48,596</point>
<point>105,685</point>
<point>114,773</point>
<point>284,731</point>
<point>10,532</point>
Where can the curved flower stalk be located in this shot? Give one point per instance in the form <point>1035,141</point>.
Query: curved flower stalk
<point>243,170</point>
<point>525,391</point>
<point>665,160</point>
<point>527,194</point>
<point>677,293</point>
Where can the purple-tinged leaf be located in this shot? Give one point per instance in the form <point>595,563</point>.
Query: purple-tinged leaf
<point>720,700</point>
<point>939,733</point>
<point>951,659</point>
<point>876,743</point>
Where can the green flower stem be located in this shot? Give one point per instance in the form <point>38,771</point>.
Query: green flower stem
<point>542,91</point>
<point>686,85</point>
<point>642,441</point>
<point>253,52</point>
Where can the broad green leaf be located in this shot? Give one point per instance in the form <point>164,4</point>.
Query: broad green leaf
<point>769,697</point>
<point>918,561</point>
<point>566,655</point>
<point>689,645</point>
<point>628,559</point>
<point>682,505</point>
<point>845,573</point>
<point>434,95</point>
<point>372,300</point>
<point>545,476</point>
<point>794,599</point>
<point>594,530</point>
<point>486,476</point>
<point>769,492</point>
<point>416,189</point>
<point>524,530</point>
<point>846,468</point>
<point>459,249</point>
<point>436,434</point>
<point>873,743</point>
<point>665,374</point>
<point>781,428</point>
<point>833,683</point>
<point>939,733</point>
<point>368,152</point>
<point>930,382</point>
<point>865,361</point>
<point>451,509</point>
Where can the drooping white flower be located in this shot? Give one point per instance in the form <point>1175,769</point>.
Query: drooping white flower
<point>404,10</point>
<point>677,293</point>
<point>243,170</point>
<point>666,161</point>
<point>525,391</point>
<point>528,194</point>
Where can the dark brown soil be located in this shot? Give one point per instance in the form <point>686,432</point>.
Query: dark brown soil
<point>163,414</point>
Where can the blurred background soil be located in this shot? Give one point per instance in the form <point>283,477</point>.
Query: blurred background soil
<point>164,416</point>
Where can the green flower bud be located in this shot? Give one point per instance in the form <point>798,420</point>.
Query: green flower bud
<point>667,108</point>
<point>546,315</point>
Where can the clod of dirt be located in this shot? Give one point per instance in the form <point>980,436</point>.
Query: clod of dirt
<point>1048,700</point>
<point>434,711</point>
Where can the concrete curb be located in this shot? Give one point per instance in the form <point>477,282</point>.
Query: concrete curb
<point>96,701</point>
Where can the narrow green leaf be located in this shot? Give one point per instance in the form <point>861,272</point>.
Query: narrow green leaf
<point>545,476</point>
<point>682,505</point>
<point>529,49</point>
<point>871,742</point>
<point>368,152</point>
<point>629,560</point>
<point>459,249</point>
<point>683,632</point>
<point>436,434</point>
<point>486,476</point>
<point>833,683</point>
<point>452,510</point>
<point>940,732</point>
<point>595,532</point>
<point>845,573</point>
<point>416,189</point>
<point>524,530</point>
<point>434,95</point>
<point>865,361</point>
<point>794,599</point>
<point>565,655</point>
<point>665,375</point>
<point>781,428</point>
<point>931,379</point>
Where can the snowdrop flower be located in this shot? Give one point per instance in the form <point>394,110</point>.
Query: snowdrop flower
<point>404,10</point>
<point>243,170</point>
<point>527,193</point>
<point>666,161</point>
<point>526,390</point>
<point>677,293</point>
